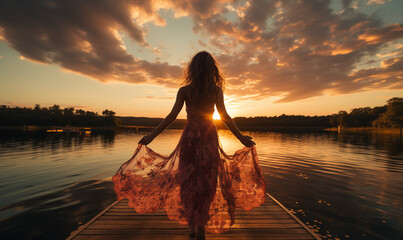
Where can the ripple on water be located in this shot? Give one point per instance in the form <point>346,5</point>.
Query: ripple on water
<point>348,184</point>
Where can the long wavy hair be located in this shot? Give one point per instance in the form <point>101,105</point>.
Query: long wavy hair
<point>203,77</point>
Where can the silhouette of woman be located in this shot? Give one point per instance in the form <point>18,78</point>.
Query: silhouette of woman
<point>198,183</point>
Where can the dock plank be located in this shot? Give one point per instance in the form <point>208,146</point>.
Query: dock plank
<point>118,221</point>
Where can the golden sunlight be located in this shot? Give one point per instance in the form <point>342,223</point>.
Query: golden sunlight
<point>216,116</point>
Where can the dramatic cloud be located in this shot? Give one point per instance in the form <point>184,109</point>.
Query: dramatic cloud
<point>307,50</point>
<point>294,49</point>
<point>85,37</point>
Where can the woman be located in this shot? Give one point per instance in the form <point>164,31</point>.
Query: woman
<point>198,183</point>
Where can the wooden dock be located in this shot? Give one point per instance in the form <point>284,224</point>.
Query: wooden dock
<point>118,221</point>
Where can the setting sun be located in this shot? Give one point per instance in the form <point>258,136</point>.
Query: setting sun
<point>216,116</point>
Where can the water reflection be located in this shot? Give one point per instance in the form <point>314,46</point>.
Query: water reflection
<point>339,184</point>
<point>391,145</point>
<point>51,216</point>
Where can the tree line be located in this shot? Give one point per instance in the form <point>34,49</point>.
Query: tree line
<point>388,116</point>
<point>55,116</point>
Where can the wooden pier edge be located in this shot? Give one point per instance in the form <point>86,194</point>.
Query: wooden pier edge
<point>83,227</point>
<point>295,218</point>
<point>80,228</point>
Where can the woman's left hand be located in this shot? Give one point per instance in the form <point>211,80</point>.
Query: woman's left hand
<point>146,139</point>
<point>247,141</point>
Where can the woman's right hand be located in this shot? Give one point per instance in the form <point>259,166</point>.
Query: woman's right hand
<point>247,141</point>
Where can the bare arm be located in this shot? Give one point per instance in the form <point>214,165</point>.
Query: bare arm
<point>246,140</point>
<point>169,119</point>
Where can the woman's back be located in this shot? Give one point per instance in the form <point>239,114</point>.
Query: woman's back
<point>202,107</point>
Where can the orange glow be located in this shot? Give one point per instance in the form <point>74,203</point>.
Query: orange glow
<point>281,64</point>
<point>32,60</point>
<point>373,39</point>
<point>2,34</point>
<point>341,51</point>
<point>216,115</point>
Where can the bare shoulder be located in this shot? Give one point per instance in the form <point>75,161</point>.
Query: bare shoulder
<point>184,88</point>
<point>183,91</point>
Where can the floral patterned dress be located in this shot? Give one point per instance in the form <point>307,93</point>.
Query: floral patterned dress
<point>198,183</point>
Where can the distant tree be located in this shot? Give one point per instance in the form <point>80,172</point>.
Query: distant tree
<point>108,113</point>
<point>376,111</point>
<point>37,107</point>
<point>55,109</point>
<point>68,111</point>
<point>80,112</point>
<point>334,120</point>
<point>90,114</point>
<point>393,117</point>
<point>360,117</point>
<point>343,119</point>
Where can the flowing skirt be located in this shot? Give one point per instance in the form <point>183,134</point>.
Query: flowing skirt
<point>198,183</point>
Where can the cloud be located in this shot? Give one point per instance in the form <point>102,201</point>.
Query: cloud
<point>297,57</point>
<point>376,2</point>
<point>85,37</point>
<point>201,9</point>
<point>283,48</point>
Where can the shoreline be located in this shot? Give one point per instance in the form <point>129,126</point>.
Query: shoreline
<point>220,126</point>
<point>366,130</point>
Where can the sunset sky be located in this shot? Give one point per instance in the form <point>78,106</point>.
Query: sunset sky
<point>294,57</point>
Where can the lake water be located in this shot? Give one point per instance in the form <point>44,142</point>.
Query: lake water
<point>345,186</point>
